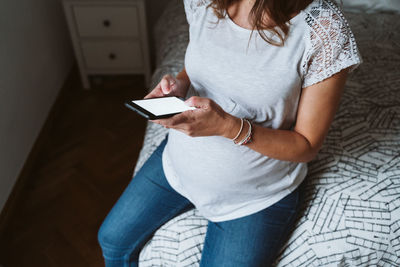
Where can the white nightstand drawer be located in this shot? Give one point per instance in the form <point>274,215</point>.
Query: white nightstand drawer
<point>107,21</point>
<point>112,54</point>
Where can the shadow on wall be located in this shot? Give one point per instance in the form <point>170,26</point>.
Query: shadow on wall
<point>154,9</point>
<point>38,50</point>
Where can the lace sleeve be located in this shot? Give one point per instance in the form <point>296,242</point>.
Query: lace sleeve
<point>191,6</point>
<point>333,46</point>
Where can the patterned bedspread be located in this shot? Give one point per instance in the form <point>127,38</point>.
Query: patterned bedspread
<point>351,216</point>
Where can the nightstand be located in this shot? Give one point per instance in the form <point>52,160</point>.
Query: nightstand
<point>109,37</point>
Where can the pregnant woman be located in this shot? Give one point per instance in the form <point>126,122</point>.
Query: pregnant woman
<point>266,77</point>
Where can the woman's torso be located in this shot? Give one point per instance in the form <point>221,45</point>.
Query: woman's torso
<point>260,82</point>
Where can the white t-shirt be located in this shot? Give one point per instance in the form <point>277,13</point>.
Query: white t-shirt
<point>261,83</point>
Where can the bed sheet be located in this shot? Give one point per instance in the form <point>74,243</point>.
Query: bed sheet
<point>351,216</point>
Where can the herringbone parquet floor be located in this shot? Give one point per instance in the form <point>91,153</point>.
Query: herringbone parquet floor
<point>82,168</point>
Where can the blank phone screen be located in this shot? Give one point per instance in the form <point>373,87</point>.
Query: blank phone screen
<point>163,105</point>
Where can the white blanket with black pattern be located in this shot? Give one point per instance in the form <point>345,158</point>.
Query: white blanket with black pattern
<point>352,213</point>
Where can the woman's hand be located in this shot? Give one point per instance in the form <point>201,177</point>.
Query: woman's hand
<point>208,119</point>
<point>169,86</point>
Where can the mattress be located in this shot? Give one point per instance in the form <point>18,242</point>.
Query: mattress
<point>351,216</point>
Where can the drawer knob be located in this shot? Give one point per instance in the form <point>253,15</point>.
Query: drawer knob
<point>112,56</point>
<point>106,23</point>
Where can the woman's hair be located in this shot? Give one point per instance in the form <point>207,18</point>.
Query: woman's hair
<point>279,12</point>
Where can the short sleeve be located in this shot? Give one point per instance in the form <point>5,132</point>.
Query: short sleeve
<point>332,46</point>
<point>191,6</point>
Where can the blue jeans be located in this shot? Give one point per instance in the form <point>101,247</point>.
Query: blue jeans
<point>149,201</point>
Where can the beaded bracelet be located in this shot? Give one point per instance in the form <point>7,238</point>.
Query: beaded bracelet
<point>247,139</point>
<point>240,131</point>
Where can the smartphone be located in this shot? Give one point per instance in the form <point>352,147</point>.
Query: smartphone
<point>158,108</point>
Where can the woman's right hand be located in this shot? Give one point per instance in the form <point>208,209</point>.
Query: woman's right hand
<point>169,86</point>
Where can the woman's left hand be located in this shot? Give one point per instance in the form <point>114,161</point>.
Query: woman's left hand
<point>208,119</point>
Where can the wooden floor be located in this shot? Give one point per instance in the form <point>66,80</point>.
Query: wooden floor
<point>82,168</point>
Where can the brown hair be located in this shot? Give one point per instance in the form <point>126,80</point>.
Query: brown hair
<point>279,12</point>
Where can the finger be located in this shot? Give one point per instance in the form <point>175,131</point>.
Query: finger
<point>174,121</point>
<point>164,86</point>
<point>156,92</point>
<point>167,84</point>
<point>179,119</point>
<point>198,102</point>
<point>164,122</point>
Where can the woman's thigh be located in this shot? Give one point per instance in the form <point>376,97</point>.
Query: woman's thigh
<point>251,241</point>
<point>146,204</point>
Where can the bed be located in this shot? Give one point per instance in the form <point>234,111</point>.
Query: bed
<point>351,216</point>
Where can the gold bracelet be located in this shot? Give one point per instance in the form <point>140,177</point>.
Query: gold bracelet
<point>240,131</point>
<point>247,138</point>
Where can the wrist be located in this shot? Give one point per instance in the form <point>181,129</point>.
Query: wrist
<point>231,127</point>
<point>245,136</point>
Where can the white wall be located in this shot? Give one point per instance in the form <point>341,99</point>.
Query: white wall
<point>35,59</point>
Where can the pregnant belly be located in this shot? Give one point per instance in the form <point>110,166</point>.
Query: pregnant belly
<point>216,164</point>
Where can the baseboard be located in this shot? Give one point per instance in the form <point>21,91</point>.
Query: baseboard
<point>18,188</point>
